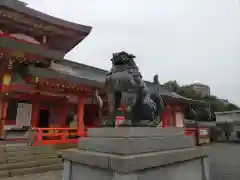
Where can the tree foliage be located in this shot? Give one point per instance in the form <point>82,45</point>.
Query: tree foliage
<point>215,104</point>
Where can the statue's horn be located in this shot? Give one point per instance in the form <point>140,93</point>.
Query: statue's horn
<point>131,56</point>
<point>155,79</point>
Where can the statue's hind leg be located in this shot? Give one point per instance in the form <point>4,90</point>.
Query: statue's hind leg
<point>114,101</point>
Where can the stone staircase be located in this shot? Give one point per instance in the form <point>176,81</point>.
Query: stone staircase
<point>20,160</point>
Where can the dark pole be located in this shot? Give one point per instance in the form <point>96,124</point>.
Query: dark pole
<point>197,133</point>
<point>196,127</point>
<point>2,116</point>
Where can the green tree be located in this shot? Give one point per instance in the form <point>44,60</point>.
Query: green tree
<point>172,86</point>
<point>231,107</point>
<point>187,92</point>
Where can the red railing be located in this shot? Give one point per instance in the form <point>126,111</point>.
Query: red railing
<point>190,131</point>
<point>46,136</point>
<point>203,134</point>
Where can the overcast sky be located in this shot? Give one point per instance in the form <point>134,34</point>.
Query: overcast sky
<point>184,40</point>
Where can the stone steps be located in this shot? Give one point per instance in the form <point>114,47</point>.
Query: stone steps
<point>21,160</point>
<point>25,153</point>
<point>28,148</point>
<point>29,158</point>
<point>32,170</point>
<point>29,164</point>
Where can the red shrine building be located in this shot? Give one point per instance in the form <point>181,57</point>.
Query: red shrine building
<point>34,93</point>
<point>41,89</point>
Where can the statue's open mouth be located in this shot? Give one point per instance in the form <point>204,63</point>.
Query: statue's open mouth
<point>119,63</point>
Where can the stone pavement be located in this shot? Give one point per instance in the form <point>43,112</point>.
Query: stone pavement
<point>53,175</point>
<point>225,161</point>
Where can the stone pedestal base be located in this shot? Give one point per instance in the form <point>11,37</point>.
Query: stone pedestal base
<point>136,154</point>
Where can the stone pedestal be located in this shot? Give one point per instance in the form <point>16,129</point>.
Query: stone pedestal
<point>136,154</point>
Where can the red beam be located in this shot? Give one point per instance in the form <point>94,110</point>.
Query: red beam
<point>32,97</point>
<point>17,87</point>
<point>27,56</point>
<point>6,35</point>
<point>30,89</point>
<point>65,83</point>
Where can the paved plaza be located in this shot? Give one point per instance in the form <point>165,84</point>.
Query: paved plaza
<point>225,162</point>
<point>225,165</point>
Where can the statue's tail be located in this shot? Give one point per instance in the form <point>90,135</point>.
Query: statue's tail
<point>160,108</point>
<point>156,80</point>
<point>158,99</point>
<point>98,98</point>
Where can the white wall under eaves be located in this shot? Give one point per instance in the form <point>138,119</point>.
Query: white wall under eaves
<point>228,117</point>
<point>81,73</point>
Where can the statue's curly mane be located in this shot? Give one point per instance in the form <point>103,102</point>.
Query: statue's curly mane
<point>124,61</point>
<point>123,58</point>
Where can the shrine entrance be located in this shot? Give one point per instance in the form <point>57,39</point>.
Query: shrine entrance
<point>90,115</point>
<point>43,118</point>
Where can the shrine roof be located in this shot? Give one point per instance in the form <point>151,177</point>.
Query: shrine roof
<point>23,8</point>
<point>52,74</point>
<point>81,66</point>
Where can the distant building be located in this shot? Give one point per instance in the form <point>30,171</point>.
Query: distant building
<point>202,89</point>
<point>231,118</point>
<point>224,101</point>
<point>228,116</point>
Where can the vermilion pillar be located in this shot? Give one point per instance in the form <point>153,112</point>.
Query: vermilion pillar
<point>1,119</point>
<point>164,118</point>
<point>173,112</point>
<point>5,110</point>
<point>167,117</point>
<point>35,111</point>
<point>80,115</point>
<point>6,80</point>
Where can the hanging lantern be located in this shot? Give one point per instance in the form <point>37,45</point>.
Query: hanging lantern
<point>36,79</point>
<point>168,106</point>
<point>6,79</point>
<point>44,40</point>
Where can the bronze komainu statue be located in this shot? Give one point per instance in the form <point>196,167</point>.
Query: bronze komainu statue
<point>125,87</point>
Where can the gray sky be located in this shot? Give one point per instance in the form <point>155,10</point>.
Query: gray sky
<point>183,40</point>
